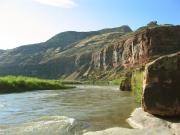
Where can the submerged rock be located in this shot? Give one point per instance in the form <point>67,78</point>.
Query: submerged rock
<point>161,94</point>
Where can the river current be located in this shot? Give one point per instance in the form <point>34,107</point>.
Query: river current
<point>65,112</point>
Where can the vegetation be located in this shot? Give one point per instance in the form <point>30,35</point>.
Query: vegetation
<point>70,82</point>
<point>117,81</point>
<point>137,84</point>
<point>96,82</point>
<point>10,84</point>
<point>105,82</point>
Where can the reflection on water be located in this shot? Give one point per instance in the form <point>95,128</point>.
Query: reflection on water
<point>65,112</point>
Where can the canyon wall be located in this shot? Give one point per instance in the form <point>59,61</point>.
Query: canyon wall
<point>138,48</point>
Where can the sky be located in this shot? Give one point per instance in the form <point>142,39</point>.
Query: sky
<point>25,22</point>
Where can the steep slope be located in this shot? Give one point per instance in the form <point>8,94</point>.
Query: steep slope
<point>34,53</point>
<point>58,56</point>
<point>139,47</point>
<point>37,53</point>
<point>135,49</point>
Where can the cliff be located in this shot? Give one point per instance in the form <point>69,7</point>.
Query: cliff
<point>137,48</point>
<point>101,55</point>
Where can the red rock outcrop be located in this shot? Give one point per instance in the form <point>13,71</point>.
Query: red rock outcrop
<point>138,48</point>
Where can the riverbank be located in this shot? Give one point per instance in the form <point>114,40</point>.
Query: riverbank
<point>144,123</point>
<point>15,84</point>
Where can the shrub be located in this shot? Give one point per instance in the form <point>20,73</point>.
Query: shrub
<point>137,84</point>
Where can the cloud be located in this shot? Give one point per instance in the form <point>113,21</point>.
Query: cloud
<point>58,3</point>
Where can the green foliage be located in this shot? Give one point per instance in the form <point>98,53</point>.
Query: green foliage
<point>70,82</point>
<point>105,82</point>
<point>137,84</point>
<point>10,84</point>
<point>117,81</point>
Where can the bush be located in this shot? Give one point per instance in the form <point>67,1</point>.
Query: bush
<point>117,81</point>
<point>137,84</point>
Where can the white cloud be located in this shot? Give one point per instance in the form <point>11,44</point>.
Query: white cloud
<point>59,3</point>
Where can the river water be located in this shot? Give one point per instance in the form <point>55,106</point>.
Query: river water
<point>65,112</point>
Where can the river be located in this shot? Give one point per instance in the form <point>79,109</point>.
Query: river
<point>65,112</point>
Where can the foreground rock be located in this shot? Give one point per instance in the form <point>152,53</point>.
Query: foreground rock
<point>162,86</point>
<point>151,124</point>
<point>143,124</point>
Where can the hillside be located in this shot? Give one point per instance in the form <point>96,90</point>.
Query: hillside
<point>58,55</point>
<point>103,54</point>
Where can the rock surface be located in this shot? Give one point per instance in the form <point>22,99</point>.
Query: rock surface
<point>156,125</point>
<point>138,47</point>
<point>161,95</point>
<point>143,124</point>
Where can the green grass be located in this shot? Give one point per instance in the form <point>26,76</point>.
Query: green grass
<point>117,81</point>
<point>96,82</point>
<point>105,82</point>
<point>137,84</point>
<point>11,84</point>
<point>71,82</point>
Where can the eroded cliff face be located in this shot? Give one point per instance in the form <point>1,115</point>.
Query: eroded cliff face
<point>138,48</point>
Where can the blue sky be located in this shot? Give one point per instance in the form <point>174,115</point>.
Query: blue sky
<point>31,21</point>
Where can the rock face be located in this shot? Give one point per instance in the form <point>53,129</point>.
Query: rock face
<point>138,47</point>
<point>161,94</point>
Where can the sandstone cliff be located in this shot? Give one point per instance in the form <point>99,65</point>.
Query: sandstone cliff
<point>138,48</point>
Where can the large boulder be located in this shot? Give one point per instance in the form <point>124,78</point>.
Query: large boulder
<point>161,94</point>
